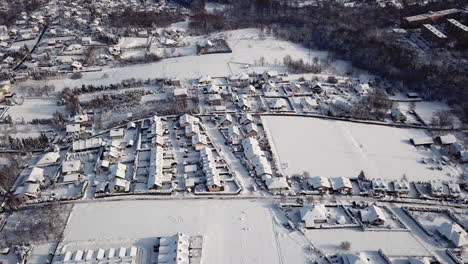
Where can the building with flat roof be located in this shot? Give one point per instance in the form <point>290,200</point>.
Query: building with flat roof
<point>458,29</point>
<point>429,18</point>
<point>434,34</point>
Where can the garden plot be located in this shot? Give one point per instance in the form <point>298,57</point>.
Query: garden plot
<point>233,231</point>
<point>393,243</point>
<point>342,149</point>
<point>35,109</point>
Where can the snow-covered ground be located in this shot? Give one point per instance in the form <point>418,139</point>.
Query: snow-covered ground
<point>337,148</point>
<point>393,243</point>
<point>127,43</point>
<point>247,48</point>
<point>35,108</point>
<point>233,231</point>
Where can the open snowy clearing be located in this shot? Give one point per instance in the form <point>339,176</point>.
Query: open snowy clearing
<point>393,243</point>
<point>337,148</point>
<point>247,47</point>
<point>233,231</point>
<point>35,108</point>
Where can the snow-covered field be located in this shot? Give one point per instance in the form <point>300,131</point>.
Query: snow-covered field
<point>337,148</point>
<point>393,243</point>
<point>127,43</point>
<point>35,108</point>
<point>247,48</point>
<point>233,231</point>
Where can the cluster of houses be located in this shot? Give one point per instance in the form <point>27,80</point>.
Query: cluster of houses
<point>439,26</point>
<point>449,144</point>
<point>122,254</point>
<point>59,34</point>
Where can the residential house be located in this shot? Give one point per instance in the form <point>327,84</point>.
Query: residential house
<point>277,104</point>
<point>244,104</point>
<point>249,90</point>
<point>117,133</point>
<point>246,119</point>
<point>309,104</point>
<point>454,190</point>
<point>48,159</point>
<point>191,130</point>
<point>215,99</point>
<point>294,87</point>
<point>225,120</point>
<point>199,141</point>
<point>118,185</point>
<point>73,128</point>
<point>355,258</point>
<point>379,186</point>
<point>320,184</point>
<point>186,119</point>
<point>251,130</point>
<point>277,184</point>
<point>437,188</point>
<point>422,141</point>
<point>397,115</point>
<point>35,176</point>
<point>26,192</point>
<point>401,187</point>
<point>342,185</point>
<point>71,166</point>
<point>314,216</point>
<point>373,215</point>
<point>204,80</point>
<point>233,133</point>
<point>316,87</point>
<point>446,139</point>
<point>270,87</point>
<point>454,234</point>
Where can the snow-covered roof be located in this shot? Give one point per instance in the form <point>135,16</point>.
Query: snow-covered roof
<point>319,182</point>
<point>209,167</point>
<point>276,183</point>
<point>277,103</point>
<point>313,215</point>
<point>198,139</point>
<point>341,183</point>
<point>81,118</point>
<point>454,233</point>
<point>422,141</point>
<point>186,119</point>
<point>85,144</point>
<point>251,147</point>
<point>248,90</point>
<point>70,166</point>
<point>118,170</point>
<point>192,129</point>
<point>447,139</point>
<point>73,128</point>
<point>174,250</point>
<point>226,118</point>
<point>30,189</point>
<point>72,177</point>
<point>246,118</point>
<point>358,258</point>
<point>48,158</point>
<point>118,132</point>
<point>372,214</point>
<point>155,175</point>
<point>35,176</point>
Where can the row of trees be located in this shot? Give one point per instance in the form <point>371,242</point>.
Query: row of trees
<point>29,143</point>
<point>299,66</point>
<point>144,19</point>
